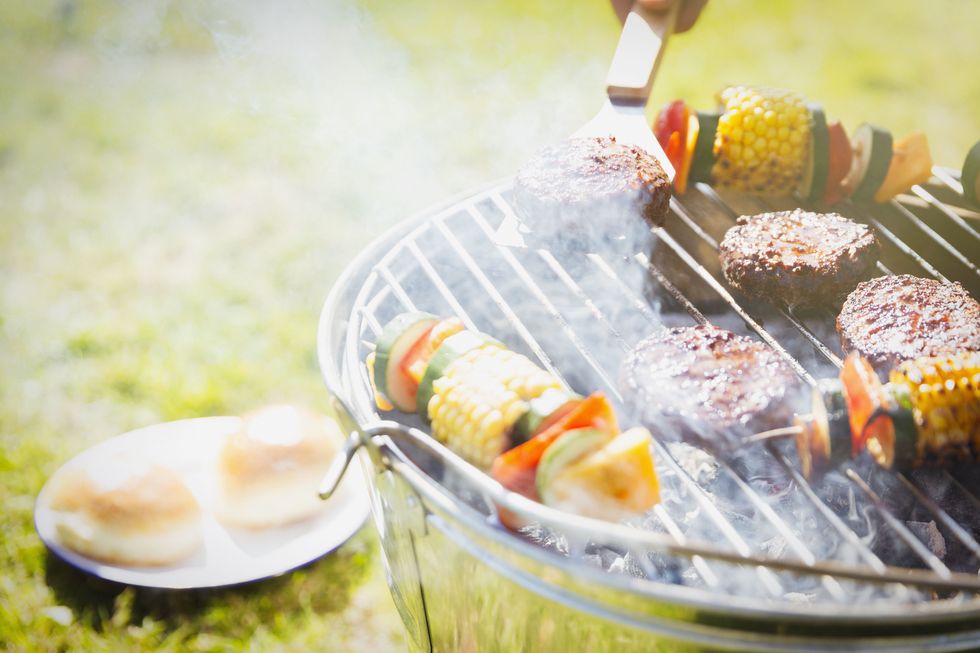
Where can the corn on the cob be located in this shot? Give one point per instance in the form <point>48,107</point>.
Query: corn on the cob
<point>480,397</point>
<point>944,393</point>
<point>762,141</point>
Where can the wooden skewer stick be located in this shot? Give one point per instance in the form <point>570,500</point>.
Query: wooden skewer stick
<point>774,434</point>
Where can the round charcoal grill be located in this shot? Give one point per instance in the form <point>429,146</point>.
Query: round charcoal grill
<point>742,554</point>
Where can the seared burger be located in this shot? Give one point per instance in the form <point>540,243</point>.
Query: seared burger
<point>799,257</point>
<point>707,385</point>
<point>591,182</point>
<point>896,318</point>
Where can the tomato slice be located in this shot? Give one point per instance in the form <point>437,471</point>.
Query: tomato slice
<point>417,358</point>
<point>868,405</point>
<point>516,469</point>
<point>839,162</point>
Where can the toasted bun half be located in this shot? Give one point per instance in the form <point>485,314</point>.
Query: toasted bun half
<point>269,470</point>
<point>125,512</point>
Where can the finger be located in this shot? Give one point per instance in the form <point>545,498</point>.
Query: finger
<point>688,14</point>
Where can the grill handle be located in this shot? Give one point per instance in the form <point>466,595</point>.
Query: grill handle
<point>355,439</point>
<point>638,54</point>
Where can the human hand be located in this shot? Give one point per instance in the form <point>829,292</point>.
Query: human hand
<point>687,14</point>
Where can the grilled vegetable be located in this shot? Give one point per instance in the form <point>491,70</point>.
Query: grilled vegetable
<point>670,129</point>
<point>768,141</point>
<point>824,437</point>
<point>761,142</point>
<point>516,469</point>
<point>872,152</point>
<point>570,447</point>
<point>417,360</point>
<point>839,153</point>
<point>911,164</point>
<point>552,405</point>
<point>867,403</point>
<point>687,137</point>
<point>482,398</point>
<point>483,393</point>
<point>454,346</point>
<point>703,157</point>
<point>814,181</point>
<point>615,482</point>
<point>394,347</point>
<point>944,396</point>
<point>928,412</point>
<point>971,174</point>
<point>693,130</point>
<point>894,447</point>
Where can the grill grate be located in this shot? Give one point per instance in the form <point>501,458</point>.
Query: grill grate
<point>578,315</point>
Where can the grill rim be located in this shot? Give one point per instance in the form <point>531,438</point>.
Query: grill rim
<point>334,330</point>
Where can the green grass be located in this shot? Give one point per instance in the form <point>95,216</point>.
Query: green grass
<point>182,182</point>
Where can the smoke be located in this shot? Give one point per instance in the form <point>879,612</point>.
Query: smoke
<point>345,137</point>
<point>348,107</point>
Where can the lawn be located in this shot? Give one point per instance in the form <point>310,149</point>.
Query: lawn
<point>181,183</point>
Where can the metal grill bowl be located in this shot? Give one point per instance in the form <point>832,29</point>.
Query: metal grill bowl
<point>863,560</point>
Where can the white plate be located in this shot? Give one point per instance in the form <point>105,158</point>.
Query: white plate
<point>228,556</point>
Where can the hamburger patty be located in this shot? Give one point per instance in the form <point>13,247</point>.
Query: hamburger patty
<point>591,181</point>
<point>800,257</point>
<point>895,318</point>
<point>708,385</point>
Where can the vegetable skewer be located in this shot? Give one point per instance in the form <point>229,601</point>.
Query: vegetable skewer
<point>504,414</point>
<point>769,141</point>
<point>928,412</point>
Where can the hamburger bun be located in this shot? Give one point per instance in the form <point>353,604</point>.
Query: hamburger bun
<point>269,470</point>
<point>124,512</point>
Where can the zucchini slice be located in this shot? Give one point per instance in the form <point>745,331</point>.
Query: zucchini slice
<point>824,440</point>
<point>570,447</point>
<point>898,448</point>
<point>814,180</point>
<point>618,480</point>
<point>552,403</point>
<point>895,448</point>
<point>452,348</point>
<point>396,341</point>
<point>971,174</point>
<point>872,149</point>
<point>704,158</point>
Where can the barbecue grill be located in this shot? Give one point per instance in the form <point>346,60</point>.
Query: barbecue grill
<point>743,553</point>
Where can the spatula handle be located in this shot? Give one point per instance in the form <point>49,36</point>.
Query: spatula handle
<point>638,55</point>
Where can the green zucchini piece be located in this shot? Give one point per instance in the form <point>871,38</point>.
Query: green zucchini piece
<point>902,453</point>
<point>824,440</point>
<point>872,148</point>
<point>540,409</point>
<point>971,174</point>
<point>814,181</point>
<point>451,348</point>
<point>704,158</point>
<point>396,340</point>
<point>570,447</point>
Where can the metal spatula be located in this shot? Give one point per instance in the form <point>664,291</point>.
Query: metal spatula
<point>638,54</point>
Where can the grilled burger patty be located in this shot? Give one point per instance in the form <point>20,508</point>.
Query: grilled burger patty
<point>800,257</point>
<point>707,384</point>
<point>592,179</point>
<point>896,318</point>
